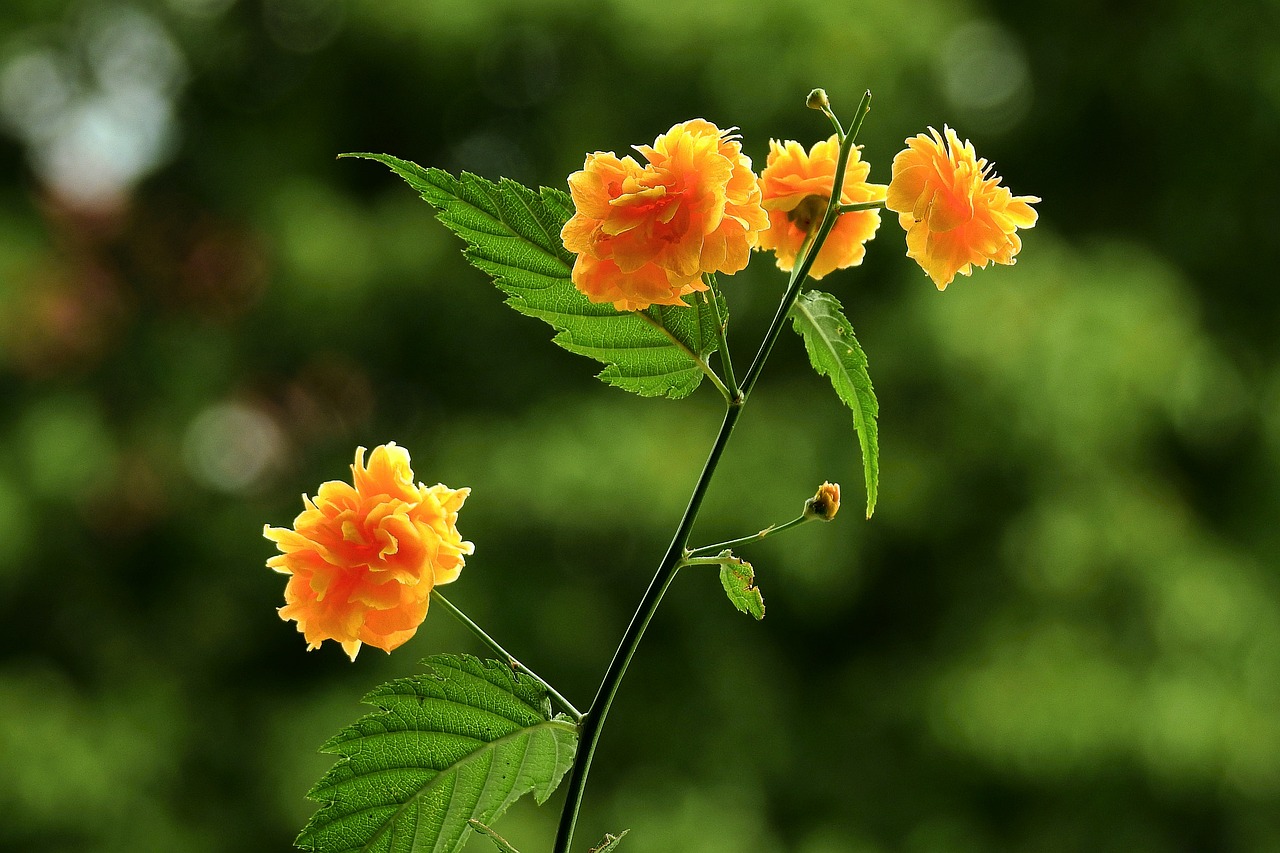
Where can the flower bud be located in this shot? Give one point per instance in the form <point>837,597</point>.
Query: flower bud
<point>825,504</point>
<point>817,100</point>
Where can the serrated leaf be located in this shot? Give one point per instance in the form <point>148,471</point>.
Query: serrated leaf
<point>609,843</point>
<point>835,353</point>
<point>738,578</point>
<point>462,741</point>
<point>513,234</point>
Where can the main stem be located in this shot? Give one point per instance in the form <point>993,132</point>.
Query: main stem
<point>593,720</point>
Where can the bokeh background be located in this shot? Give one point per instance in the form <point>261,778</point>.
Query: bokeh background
<point>1061,631</point>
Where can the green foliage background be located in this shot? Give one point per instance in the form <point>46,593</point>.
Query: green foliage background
<point>1061,632</point>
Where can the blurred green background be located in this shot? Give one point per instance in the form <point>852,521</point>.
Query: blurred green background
<point>1061,631</point>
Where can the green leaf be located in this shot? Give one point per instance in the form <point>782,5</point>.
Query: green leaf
<point>739,581</point>
<point>513,234</point>
<point>609,843</point>
<point>834,352</point>
<point>462,741</point>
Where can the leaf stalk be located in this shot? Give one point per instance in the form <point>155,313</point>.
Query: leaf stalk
<point>504,654</point>
<point>722,336</point>
<point>746,540</point>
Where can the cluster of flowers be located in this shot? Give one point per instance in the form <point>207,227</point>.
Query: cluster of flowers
<point>364,557</point>
<point>645,235</point>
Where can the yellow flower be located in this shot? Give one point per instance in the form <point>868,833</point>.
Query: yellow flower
<point>825,503</point>
<point>364,558</point>
<point>797,186</point>
<point>953,208</point>
<point>645,235</point>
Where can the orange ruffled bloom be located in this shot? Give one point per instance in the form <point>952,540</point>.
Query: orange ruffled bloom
<point>644,235</point>
<point>953,208</point>
<point>363,559</point>
<point>797,186</point>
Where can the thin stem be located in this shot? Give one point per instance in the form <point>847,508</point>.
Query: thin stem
<point>499,650</point>
<point>746,540</point>
<point>835,122</point>
<point>722,335</point>
<point>801,271</point>
<point>727,393</point>
<point>854,207</point>
<point>864,107</point>
<point>501,843</point>
<point>697,359</point>
<point>593,721</point>
<point>703,561</point>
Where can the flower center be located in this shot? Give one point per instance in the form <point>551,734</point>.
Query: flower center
<point>808,212</point>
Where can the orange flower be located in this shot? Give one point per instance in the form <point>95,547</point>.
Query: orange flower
<point>797,186</point>
<point>953,209</point>
<point>363,559</point>
<point>645,235</point>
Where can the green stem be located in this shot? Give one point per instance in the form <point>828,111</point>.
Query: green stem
<point>705,561</point>
<point>501,843</point>
<point>715,380</point>
<point>835,122</point>
<point>801,271</point>
<point>500,651</point>
<point>746,540</point>
<point>699,360</point>
<point>854,207</point>
<point>722,336</point>
<point>593,721</point>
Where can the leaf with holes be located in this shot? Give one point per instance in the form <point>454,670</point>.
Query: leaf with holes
<point>835,353</point>
<point>738,578</point>
<point>513,233</point>
<point>460,742</point>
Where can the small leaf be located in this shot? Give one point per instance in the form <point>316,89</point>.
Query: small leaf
<point>502,844</point>
<point>609,843</point>
<point>513,234</point>
<point>834,352</point>
<point>739,581</point>
<point>460,742</point>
